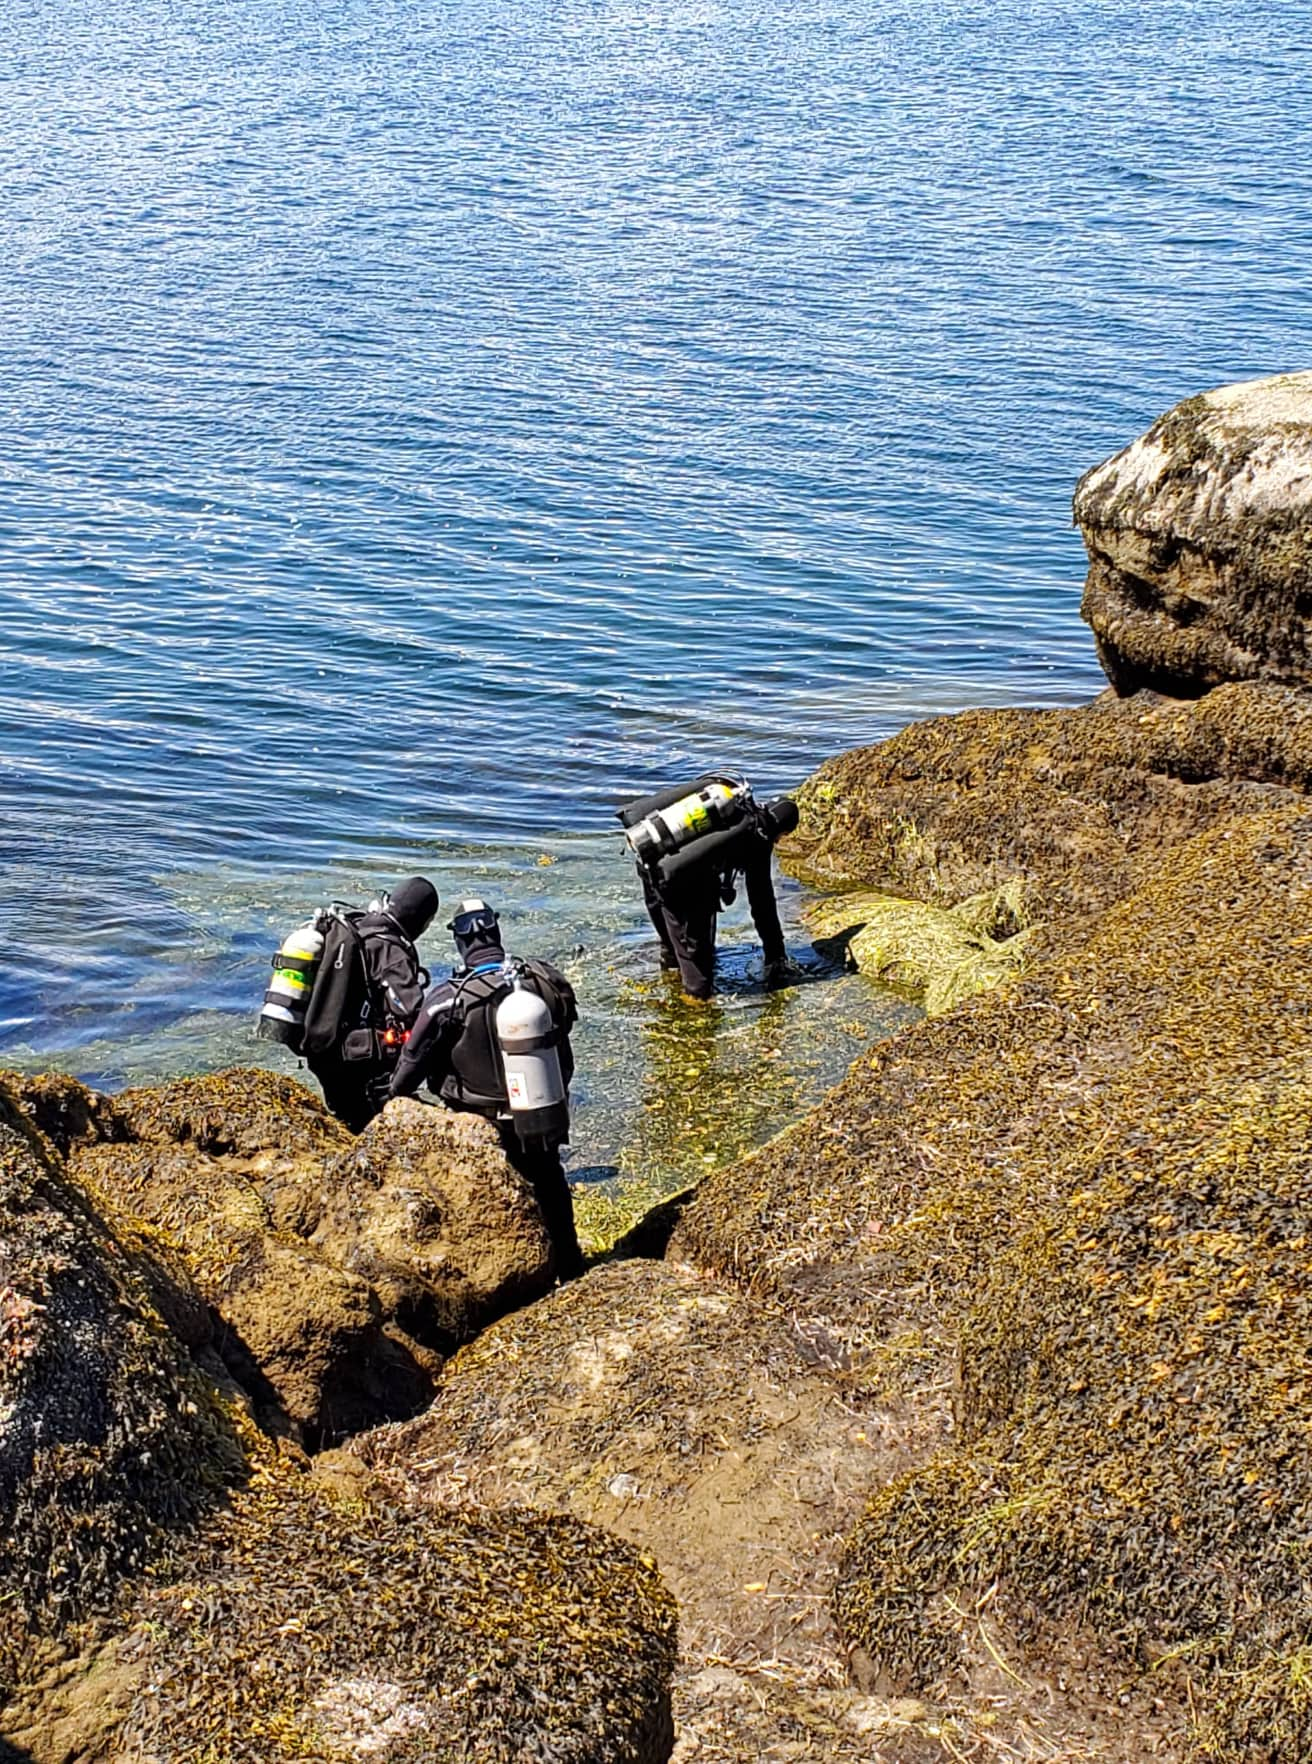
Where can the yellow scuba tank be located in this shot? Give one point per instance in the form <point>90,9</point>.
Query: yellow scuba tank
<point>295,968</point>
<point>667,830</point>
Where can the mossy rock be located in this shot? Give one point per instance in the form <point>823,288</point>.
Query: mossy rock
<point>1199,537</point>
<point>1068,809</point>
<point>111,1439</point>
<point>242,1111</point>
<point>341,1269</point>
<point>309,1628</point>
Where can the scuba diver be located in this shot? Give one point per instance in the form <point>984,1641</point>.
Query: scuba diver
<point>345,991</point>
<point>494,1040</point>
<point>693,843</point>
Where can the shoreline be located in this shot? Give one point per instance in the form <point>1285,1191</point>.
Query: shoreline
<point>969,1411</point>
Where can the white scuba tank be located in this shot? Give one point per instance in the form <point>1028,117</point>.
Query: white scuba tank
<point>295,968</point>
<point>667,830</point>
<point>530,1059</point>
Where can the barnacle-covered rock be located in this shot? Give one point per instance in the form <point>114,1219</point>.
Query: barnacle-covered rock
<point>1199,537</point>
<point>1092,1186</point>
<point>1068,810</point>
<point>310,1629</point>
<point>426,1206</point>
<point>111,1439</point>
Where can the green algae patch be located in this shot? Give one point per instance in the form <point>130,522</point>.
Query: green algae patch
<point>316,1628</point>
<point>1090,1191</point>
<point>935,954</point>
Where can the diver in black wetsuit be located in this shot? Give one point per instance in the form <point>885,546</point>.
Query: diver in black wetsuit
<point>453,1048</point>
<point>684,908</point>
<point>369,989</point>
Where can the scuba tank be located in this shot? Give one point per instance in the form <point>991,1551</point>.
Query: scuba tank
<point>295,969</point>
<point>529,1044</point>
<point>682,819</point>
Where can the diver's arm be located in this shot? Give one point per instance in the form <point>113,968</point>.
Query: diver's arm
<point>764,908</point>
<point>428,1046</point>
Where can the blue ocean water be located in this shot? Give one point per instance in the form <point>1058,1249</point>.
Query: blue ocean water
<point>426,423</point>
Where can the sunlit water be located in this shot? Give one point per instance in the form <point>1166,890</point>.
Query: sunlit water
<point>428,423</point>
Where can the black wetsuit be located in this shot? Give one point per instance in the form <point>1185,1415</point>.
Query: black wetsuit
<point>453,1049</point>
<point>370,981</point>
<point>684,910</point>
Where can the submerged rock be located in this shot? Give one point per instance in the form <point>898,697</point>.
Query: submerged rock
<point>1200,543</point>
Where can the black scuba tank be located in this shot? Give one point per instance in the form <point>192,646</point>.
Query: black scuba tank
<point>695,821</point>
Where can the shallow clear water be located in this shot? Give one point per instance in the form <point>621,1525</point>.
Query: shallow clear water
<point>427,424</point>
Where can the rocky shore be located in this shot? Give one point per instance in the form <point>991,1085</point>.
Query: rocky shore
<point>966,1419</point>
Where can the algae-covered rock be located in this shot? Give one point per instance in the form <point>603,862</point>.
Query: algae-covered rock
<point>426,1206</point>
<point>341,1269</point>
<point>1094,1186</point>
<point>110,1438</point>
<point>940,955</point>
<point>310,1629</point>
<point>155,1611</point>
<point>706,1429</point>
<point>240,1112</point>
<point>226,1169</point>
<point>1199,537</point>
<point>1068,809</point>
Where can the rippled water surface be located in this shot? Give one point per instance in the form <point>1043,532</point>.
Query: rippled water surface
<point>426,423</point>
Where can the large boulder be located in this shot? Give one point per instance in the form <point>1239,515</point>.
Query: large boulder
<point>338,1272</point>
<point>229,1169</point>
<point>426,1206</point>
<point>158,1610</point>
<point>300,1627</point>
<point>710,1432</point>
<point>1199,537</point>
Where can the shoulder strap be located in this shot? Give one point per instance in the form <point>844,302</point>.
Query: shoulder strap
<point>473,990</point>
